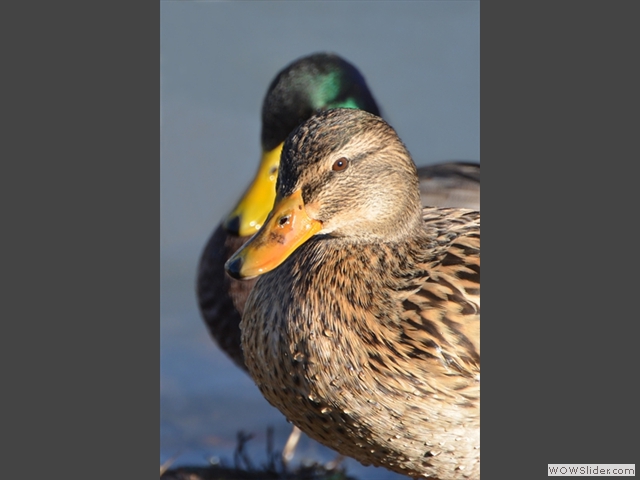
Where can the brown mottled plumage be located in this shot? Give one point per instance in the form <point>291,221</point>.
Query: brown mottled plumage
<point>367,335</point>
<point>293,96</point>
<point>222,298</point>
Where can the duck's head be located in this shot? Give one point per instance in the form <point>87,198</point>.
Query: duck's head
<point>343,173</point>
<point>316,82</point>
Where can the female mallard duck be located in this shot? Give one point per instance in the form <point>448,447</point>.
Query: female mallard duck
<point>318,81</point>
<point>364,325</point>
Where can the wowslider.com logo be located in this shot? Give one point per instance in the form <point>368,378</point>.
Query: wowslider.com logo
<point>589,470</point>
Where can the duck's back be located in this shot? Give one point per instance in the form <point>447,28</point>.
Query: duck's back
<point>450,184</point>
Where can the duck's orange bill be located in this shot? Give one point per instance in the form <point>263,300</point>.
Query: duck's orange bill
<point>287,227</point>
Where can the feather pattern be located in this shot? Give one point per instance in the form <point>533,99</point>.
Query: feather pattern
<point>367,337</point>
<point>292,97</point>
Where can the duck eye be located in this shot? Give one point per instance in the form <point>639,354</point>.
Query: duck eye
<point>340,164</point>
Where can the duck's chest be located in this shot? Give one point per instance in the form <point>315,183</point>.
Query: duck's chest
<point>308,354</point>
<point>294,327</point>
<point>308,331</point>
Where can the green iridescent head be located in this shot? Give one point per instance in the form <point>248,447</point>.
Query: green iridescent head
<point>316,82</point>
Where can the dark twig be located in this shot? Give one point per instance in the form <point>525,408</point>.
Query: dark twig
<point>240,453</point>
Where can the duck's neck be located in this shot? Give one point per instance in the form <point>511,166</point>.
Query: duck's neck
<point>354,274</point>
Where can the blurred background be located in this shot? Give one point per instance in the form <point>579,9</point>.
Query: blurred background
<point>421,60</point>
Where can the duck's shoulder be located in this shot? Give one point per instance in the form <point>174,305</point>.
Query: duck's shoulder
<point>441,317</point>
<point>453,249</point>
<point>447,221</point>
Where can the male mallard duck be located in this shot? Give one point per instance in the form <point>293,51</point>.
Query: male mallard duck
<point>315,82</point>
<point>318,81</point>
<point>363,328</point>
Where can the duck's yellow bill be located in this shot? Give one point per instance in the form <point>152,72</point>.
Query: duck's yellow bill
<point>252,210</point>
<point>287,227</point>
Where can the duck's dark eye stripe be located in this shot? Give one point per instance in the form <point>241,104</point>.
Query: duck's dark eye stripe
<point>340,164</point>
